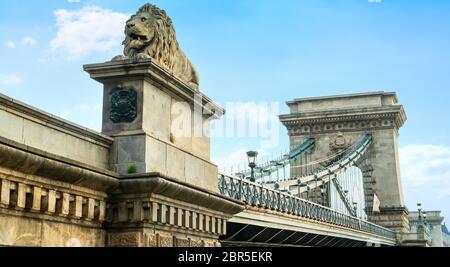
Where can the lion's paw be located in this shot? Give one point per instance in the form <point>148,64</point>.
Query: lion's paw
<point>120,58</point>
<point>142,56</point>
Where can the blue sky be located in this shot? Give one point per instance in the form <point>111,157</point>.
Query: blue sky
<point>259,51</point>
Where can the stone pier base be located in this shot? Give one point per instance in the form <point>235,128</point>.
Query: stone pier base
<point>394,218</point>
<point>152,210</point>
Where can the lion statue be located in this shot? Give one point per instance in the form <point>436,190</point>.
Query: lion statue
<point>150,34</point>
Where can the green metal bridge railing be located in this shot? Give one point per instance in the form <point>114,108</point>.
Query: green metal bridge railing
<point>260,195</point>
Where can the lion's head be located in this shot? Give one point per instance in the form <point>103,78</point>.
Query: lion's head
<point>150,32</point>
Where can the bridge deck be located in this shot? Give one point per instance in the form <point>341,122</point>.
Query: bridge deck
<point>266,227</point>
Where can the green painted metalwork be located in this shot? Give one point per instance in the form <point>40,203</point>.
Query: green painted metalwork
<point>260,195</point>
<point>123,105</point>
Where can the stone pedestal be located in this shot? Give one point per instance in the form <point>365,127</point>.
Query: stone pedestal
<point>393,218</point>
<point>152,210</point>
<point>416,243</point>
<point>434,222</point>
<point>159,123</point>
<point>168,193</point>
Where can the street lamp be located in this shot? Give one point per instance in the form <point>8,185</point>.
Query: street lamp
<point>419,209</point>
<point>421,222</point>
<point>252,155</point>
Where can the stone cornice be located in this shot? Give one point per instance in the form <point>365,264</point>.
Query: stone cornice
<point>21,109</point>
<point>321,98</point>
<point>34,161</point>
<point>172,188</point>
<point>153,71</point>
<point>395,113</point>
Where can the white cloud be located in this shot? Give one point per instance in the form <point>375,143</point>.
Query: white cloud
<point>28,41</point>
<point>74,1</point>
<point>426,165</point>
<point>86,30</point>
<point>10,44</point>
<point>10,79</point>
<point>374,1</point>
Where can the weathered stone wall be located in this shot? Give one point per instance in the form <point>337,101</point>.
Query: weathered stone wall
<point>54,178</point>
<point>153,210</point>
<point>17,230</point>
<point>64,185</point>
<point>35,211</point>
<point>35,128</point>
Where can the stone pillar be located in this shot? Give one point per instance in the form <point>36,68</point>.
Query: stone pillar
<point>433,222</point>
<point>394,218</point>
<point>161,150</point>
<point>159,123</point>
<point>337,122</point>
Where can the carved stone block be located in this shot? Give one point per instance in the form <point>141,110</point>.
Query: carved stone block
<point>124,239</point>
<point>196,243</point>
<point>151,240</point>
<point>182,243</point>
<point>165,241</point>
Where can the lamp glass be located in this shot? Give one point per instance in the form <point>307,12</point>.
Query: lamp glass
<point>252,155</point>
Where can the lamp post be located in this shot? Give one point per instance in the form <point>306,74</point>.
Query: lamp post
<point>419,209</point>
<point>420,224</point>
<point>252,155</point>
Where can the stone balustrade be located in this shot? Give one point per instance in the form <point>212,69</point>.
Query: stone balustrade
<point>155,212</point>
<point>45,199</point>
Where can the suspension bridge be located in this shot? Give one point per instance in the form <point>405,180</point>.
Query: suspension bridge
<point>291,203</point>
<point>147,180</point>
<point>323,192</point>
<point>139,184</point>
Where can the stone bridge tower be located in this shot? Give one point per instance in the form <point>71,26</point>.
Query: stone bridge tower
<point>342,120</point>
